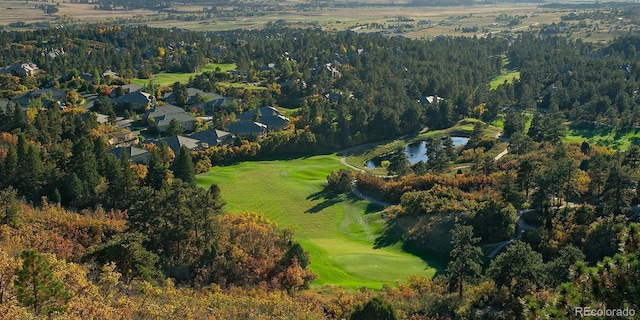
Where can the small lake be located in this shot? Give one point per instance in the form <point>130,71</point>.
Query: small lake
<point>416,152</point>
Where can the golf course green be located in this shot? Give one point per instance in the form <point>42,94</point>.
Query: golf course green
<point>338,231</point>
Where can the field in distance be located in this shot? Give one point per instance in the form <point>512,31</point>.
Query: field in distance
<point>338,231</point>
<point>396,18</point>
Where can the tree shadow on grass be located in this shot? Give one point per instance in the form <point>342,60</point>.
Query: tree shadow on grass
<point>389,237</point>
<point>328,199</point>
<point>371,207</point>
<point>393,235</point>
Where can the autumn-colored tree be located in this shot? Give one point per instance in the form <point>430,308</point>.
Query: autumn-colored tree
<point>340,181</point>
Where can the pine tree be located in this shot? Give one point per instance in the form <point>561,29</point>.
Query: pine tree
<point>9,167</point>
<point>157,173</point>
<point>19,119</point>
<point>35,286</point>
<point>466,258</point>
<point>183,168</point>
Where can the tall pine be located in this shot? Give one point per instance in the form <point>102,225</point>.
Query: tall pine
<point>183,168</point>
<point>35,287</point>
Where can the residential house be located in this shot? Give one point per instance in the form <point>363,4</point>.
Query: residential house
<point>175,143</point>
<point>122,138</point>
<point>109,74</point>
<point>130,88</point>
<point>4,104</point>
<point>46,95</point>
<point>327,68</point>
<point>193,96</point>
<point>136,155</point>
<point>269,116</point>
<point>162,116</point>
<point>53,53</point>
<point>248,129</point>
<point>336,58</point>
<point>268,67</point>
<point>136,100</point>
<point>21,69</point>
<point>333,97</point>
<point>217,103</point>
<point>430,99</point>
<point>86,77</point>
<point>213,137</point>
<point>100,118</point>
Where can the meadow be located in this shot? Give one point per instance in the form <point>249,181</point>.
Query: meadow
<point>338,231</point>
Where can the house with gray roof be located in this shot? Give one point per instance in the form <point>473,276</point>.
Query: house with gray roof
<point>212,106</point>
<point>213,137</point>
<point>193,96</point>
<point>136,155</point>
<point>4,104</point>
<point>162,116</point>
<point>100,118</point>
<point>129,88</point>
<point>248,129</point>
<point>175,143</point>
<point>269,116</point>
<point>46,95</point>
<point>136,100</point>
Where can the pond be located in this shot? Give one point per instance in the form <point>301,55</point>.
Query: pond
<point>416,152</point>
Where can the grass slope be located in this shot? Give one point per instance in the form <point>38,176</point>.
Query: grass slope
<point>505,76</point>
<point>603,136</point>
<point>339,232</point>
<point>166,79</point>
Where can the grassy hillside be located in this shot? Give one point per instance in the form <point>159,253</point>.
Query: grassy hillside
<point>338,231</point>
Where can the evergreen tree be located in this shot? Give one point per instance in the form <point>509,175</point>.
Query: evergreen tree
<point>517,269</point>
<point>9,167</point>
<point>19,119</point>
<point>35,287</point>
<point>156,172</point>
<point>175,128</point>
<point>183,168</point>
<point>466,258</point>
<point>377,309</point>
<point>399,163</point>
<point>180,94</point>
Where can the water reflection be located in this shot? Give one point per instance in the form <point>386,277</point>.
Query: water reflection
<point>415,152</point>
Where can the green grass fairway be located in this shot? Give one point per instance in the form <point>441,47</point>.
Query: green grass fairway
<point>338,231</point>
<point>603,136</point>
<point>508,77</point>
<point>167,79</point>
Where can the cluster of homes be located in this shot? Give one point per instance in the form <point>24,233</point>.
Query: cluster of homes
<point>253,123</point>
